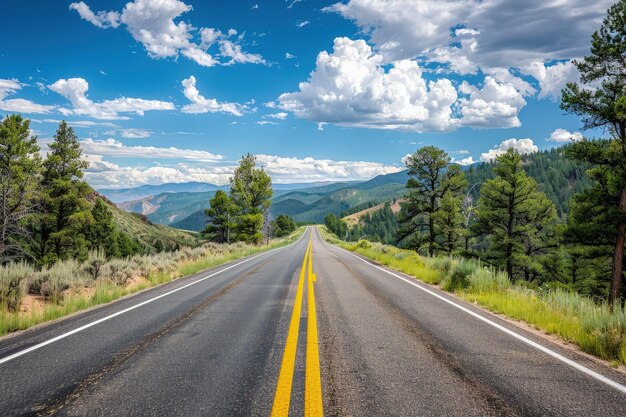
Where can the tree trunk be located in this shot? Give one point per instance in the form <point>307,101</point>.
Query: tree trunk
<point>618,259</point>
<point>431,232</point>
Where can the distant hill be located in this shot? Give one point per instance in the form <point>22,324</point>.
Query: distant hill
<point>137,193</point>
<point>168,208</point>
<point>143,230</point>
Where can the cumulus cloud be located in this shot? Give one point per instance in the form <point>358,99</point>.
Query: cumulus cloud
<point>157,25</point>
<point>400,29</point>
<point>465,161</point>
<point>75,90</point>
<point>114,148</point>
<point>523,146</point>
<point>552,79</point>
<point>19,105</point>
<point>565,136</point>
<point>102,19</point>
<point>351,87</point>
<point>200,104</point>
<point>494,105</point>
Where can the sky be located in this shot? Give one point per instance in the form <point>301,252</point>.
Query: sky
<point>162,91</point>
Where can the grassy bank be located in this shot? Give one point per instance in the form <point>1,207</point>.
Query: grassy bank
<point>577,319</point>
<point>29,297</point>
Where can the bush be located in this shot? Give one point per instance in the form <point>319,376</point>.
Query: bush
<point>13,284</point>
<point>94,263</point>
<point>457,277</point>
<point>58,278</point>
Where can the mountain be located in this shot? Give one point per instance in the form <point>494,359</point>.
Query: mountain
<point>137,193</point>
<point>168,208</point>
<point>139,228</point>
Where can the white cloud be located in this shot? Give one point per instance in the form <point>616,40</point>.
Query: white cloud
<point>75,90</point>
<point>113,148</point>
<point>105,174</point>
<point>82,123</point>
<point>302,24</point>
<point>265,122</point>
<point>402,29</point>
<point>565,136</point>
<point>289,56</point>
<point>523,146</point>
<point>101,19</point>
<point>465,161</point>
<point>19,105</point>
<point>135,133</point>
<point>256,6</point>
<point>552,79</point>
<point>536,34</point>
<point>200,104</point>
<point>494,105</point>
<point>157,26</point>
<point>350,87</point>
<point>281,116</point>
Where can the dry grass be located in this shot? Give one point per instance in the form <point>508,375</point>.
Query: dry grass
<point>68,286</point>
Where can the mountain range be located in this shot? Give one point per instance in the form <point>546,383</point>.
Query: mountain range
<point>182,205</point>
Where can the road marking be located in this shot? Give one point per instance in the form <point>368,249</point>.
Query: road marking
<point>519,337</point>
<point>282,397</point>
<point>119,313</point>
<point>313,406</point>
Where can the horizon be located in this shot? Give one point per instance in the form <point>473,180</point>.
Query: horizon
<point>317,90</point>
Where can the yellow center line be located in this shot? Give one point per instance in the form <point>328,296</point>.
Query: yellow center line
<point>282,396</point>
<point>313,406</point>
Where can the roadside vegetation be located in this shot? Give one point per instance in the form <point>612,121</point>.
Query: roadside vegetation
<point>593,326</point>
<point>29,296</point>
<point>64,248</point>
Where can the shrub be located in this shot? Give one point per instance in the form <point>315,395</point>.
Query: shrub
<point>458,274</point>
<point>13,284</point>
<point>94,263</point>
<point>58,278</point>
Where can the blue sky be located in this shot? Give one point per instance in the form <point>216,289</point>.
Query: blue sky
<point>218,79</point>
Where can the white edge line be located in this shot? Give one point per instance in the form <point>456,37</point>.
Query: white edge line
<point>519,337</point>
<point>143,303</point>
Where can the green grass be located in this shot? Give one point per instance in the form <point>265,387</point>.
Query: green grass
<point>67,278</point>
<point>577,319</point>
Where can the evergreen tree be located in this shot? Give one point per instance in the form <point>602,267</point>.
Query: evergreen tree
<point>431,177</point>
<point>64,200</point>
<point>283,225</point>
<point>512,212</point>
<point>20,167</point>
<point>101,233</point>
<point>602,104</point>
<point>251,192</point>
<point>221,214</point>
<point>449,222</point>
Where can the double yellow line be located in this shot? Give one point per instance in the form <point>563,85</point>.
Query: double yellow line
<point>312,384</point>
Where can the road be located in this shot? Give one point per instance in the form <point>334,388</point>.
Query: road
<point>258,337</point>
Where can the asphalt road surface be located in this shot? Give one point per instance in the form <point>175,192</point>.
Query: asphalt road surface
<point>288,333</point>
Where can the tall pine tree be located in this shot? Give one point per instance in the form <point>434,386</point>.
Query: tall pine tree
<point>511,212</point>
<point>602,104</point>
<point>64,200</point>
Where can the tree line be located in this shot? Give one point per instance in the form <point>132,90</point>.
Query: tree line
<point>47,212</point>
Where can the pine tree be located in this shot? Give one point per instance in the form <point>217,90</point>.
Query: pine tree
<point>431,177</point>
<point>64,200</point>
<point>101,233</point>
<point>449,222</point>
<point>251,192</point>
<point>20,167</point>
<point>221,215</point>
<point>511,212</point>
<point>602,104</point>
